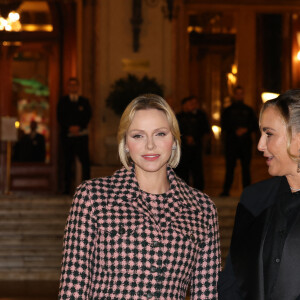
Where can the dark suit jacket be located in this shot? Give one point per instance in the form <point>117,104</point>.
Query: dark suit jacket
<point>73,113</point>
<point>243,274</point>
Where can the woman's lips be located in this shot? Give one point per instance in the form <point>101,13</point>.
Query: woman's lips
<point>269,159</point>
<point>151,157</point>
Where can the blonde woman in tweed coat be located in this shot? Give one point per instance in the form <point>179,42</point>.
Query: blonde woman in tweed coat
<point>142,233</point>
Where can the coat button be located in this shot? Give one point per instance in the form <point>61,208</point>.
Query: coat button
<point>149,295</point>
<point>277,260</point>
<point>192,237</point>
<point>122,230</point>
<point>155,244</point>
<point>153,269</point>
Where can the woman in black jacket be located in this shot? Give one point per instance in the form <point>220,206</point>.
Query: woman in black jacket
<point>264,258</point>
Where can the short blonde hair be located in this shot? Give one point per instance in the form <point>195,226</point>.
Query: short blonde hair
<point>288,106</point>
<point>143,102</point>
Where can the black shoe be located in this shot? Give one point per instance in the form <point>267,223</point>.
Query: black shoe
<point>224,194</point>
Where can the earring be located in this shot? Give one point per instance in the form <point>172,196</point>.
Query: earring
<point>126,150</point>
<point>298,168</point>
<point>174,147</point>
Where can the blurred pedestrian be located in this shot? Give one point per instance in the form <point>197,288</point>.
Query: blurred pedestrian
<point>194,127</point>
<point>30,147</point>
<point>74,114</point>
<point>238,122</point>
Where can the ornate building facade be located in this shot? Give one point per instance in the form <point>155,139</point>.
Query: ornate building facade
<point>189,47</point>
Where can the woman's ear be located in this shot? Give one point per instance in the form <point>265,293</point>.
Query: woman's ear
<point>298,141</point>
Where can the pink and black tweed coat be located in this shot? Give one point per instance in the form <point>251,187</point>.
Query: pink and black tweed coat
<point>114,248</point>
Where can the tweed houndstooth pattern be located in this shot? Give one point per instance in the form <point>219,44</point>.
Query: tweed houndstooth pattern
<point>114,248</point>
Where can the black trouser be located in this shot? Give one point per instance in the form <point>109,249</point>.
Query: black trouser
<point>76,147</point>
<point>190,168</point>
<point>233,152</point>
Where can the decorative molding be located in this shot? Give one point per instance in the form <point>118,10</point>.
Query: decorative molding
<point>170,10</point>
<point>136,22</point>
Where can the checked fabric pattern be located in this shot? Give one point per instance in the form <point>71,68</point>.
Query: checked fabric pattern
<point>115,248</point>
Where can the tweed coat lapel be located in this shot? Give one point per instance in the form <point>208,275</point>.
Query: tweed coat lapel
<point>126,192</point>
<point>179,206</point>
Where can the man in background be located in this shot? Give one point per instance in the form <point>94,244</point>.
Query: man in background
<point>74,114</point>
<point>194,126</point>
<point>238,122</point>
<point>30,147</point>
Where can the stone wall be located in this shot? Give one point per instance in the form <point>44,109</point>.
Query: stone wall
<point>108,54</point>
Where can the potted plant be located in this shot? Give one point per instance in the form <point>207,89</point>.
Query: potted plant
<point>126,89</point>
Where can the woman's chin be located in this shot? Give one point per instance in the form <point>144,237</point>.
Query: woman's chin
<point>273,172</point>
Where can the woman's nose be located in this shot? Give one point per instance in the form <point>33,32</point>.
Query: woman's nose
<point>150,144</point>
<point>261,144</point>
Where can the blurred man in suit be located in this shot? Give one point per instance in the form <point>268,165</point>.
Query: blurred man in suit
<point>74,114</point>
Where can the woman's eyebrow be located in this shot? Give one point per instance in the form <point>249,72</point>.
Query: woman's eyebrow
<point>264,129</point>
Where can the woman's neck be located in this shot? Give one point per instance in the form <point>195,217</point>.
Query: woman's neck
<point>294,182</point>
<point>153,183</point>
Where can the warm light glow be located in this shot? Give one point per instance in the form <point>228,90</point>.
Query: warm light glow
<point>12,23</point>
<point>268,96</point>
<point>232,78</point>
<point>8,27</point>
<point>13,16</point>
<point>34,27</point>
<point>234,69</point>
<point>197,29</point>
<point>17,124</point>
<point>216,131</point>
<point>15,43</point>
<point>298,55</point>
<point>216,116</point>
<point>3,23</point>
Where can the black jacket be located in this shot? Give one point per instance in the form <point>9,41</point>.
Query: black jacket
<point>238,115</point>
<point>193,124</point>
<point>73,113</point>
<point>242,277</point>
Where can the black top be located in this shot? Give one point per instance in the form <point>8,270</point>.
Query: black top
<point>265,245</point>
<point>282,218</point>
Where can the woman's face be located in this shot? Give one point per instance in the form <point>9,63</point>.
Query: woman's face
<point>149,141</point>
<point>273,144</point>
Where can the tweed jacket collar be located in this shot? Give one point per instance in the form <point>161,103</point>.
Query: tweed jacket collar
<point>125,186</point>
<point>125,191</point>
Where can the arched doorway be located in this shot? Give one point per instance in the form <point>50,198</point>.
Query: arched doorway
<point>32,57</point>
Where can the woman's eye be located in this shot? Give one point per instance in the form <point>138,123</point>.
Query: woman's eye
<point>269,134</point>
<point>137,136</point>
<point>161,134</point>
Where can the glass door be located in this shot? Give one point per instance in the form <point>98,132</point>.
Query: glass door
<point>30,97</point>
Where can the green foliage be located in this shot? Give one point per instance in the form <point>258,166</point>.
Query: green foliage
<point>124,90</point>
